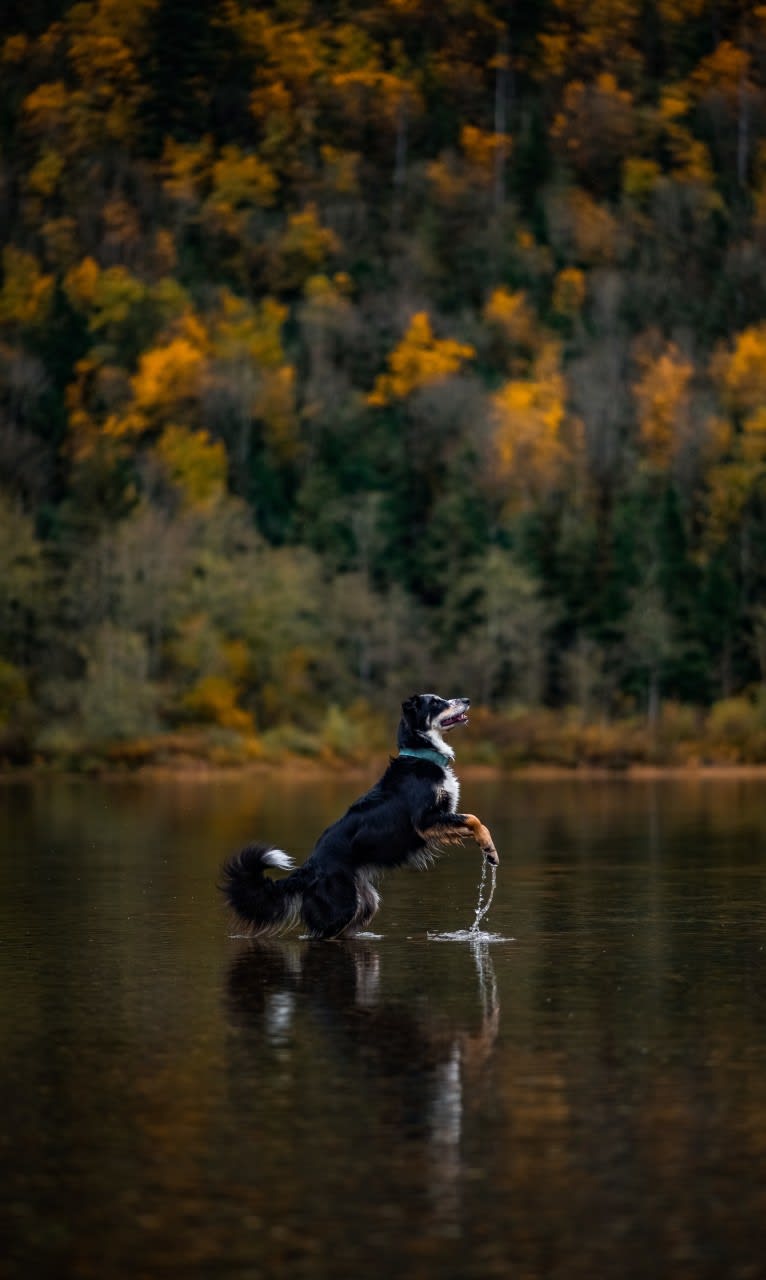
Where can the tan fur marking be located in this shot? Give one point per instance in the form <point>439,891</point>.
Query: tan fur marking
<point>445,834</point>
<point>480,832</point>
<point>470,829</point>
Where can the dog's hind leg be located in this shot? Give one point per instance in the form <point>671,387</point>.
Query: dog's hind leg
<point>331,905</point>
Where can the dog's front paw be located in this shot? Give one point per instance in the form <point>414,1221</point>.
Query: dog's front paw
<point>490,853</point>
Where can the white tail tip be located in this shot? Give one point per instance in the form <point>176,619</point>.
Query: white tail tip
<point>278,858</point>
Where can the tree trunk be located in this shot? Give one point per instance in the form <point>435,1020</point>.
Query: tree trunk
<point>400,161</point>
<point>743,130</point>
<point>653,709</point>
<point>501,116</point>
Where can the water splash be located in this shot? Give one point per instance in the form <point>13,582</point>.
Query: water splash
<point>476,936</point>
<point>483,907</point>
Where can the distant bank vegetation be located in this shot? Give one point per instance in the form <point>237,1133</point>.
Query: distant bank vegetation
<point>352,349</point>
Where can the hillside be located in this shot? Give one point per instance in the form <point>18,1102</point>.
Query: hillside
<point>351,348</point>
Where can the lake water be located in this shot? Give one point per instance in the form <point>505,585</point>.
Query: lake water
<point>585,1096</point>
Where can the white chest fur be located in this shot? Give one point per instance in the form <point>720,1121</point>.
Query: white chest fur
<point>451,788</point>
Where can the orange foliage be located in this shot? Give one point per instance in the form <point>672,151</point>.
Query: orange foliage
<point>171,374</point>
<point>419,360</point>
<point>528,416</point>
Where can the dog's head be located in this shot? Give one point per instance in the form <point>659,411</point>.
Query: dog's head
<point>426,716</point>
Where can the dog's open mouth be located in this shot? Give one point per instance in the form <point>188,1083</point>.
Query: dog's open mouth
<point>453,719</point>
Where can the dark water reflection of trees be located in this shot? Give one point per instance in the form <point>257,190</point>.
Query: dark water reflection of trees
<point>586,1097</point>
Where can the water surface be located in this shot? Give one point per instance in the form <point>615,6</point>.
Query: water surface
<point>583,1096</point>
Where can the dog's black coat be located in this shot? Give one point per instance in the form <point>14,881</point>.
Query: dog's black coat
<point>397,823</point>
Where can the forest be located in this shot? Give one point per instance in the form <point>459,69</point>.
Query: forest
<point>349,349</point>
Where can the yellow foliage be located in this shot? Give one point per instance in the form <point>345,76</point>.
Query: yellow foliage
<point>691,157</point>
<point>457,176</point>
<point>739,444</point>
<point>248,340</point>
<point>92,417</point>
<point>554,50</point>
<point>512,315</point>
<point>240,329</point>
<point>125,425</point>
<point>695,165</point>
<point>292,51</point>
<point>741,373</point>
<point>61,241</point>
<point>196,465</point>
<point>80,283</point>
<point>419,360</point>
<point>168,375</point>
<point>448,183</point>
<point>723,73</point>
<point>109,298</point>
<point>729,488</point>
<point>273,108</point>
<point>480,148</point>
<point>14,50</point>
<point>185,166</point>
<point>45,107</point>
<point>27,292</point>
<point>213,699</point>
<point>639,177</point>
<point>321,289</point>
<point>569,292</point>
<point>674,104</point>
<point>304,247</point>
<point>662,398</point>
<point>236,656</point>
<point>116,295</point>
<point>44,176</point>
<point>240,179</point>
<point>754,436</point>
<point>103,63</point>
<point>326,312</point>
<point>528,416</point>
<point>678,11</point>
<point>341,170</point>
<point>370,90</point>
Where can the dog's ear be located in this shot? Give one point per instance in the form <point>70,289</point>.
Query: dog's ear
<point>409,708</point>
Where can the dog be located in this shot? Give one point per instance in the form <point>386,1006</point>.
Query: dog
<point>399,822</point>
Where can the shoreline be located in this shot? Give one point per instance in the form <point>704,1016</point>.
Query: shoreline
<point>306,770</point>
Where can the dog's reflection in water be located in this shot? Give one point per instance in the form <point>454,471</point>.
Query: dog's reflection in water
<point>417,1069</point>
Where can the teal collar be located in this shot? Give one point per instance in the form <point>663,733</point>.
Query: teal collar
<point>427,753</point>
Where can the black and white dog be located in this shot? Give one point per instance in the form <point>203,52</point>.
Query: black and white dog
<point>399,822</point>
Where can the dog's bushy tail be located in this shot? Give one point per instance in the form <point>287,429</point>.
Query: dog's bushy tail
<point>262,905</point>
